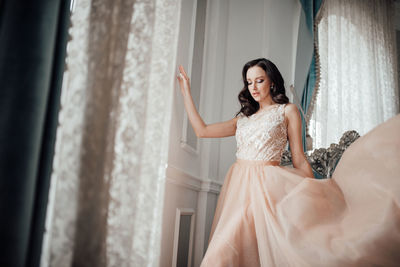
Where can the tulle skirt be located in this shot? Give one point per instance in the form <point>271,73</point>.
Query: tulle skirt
<point>270,215</point>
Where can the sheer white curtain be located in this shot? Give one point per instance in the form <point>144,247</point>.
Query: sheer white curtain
<point>358,85</point>
<point>106,197</point>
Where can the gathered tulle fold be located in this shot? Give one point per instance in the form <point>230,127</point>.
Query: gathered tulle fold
<point>268,215</point>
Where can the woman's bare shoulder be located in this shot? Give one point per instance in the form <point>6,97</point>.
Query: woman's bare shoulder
<point>291,108</point>
<point>292,113</point>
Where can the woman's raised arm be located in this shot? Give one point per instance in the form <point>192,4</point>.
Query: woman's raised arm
<point>202,130</point>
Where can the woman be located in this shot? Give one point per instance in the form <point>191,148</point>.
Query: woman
<point>268,215</point>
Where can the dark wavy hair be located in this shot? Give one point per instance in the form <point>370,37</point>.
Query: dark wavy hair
<point>278,93</point>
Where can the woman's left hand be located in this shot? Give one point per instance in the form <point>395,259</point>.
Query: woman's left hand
<point>184,82</point>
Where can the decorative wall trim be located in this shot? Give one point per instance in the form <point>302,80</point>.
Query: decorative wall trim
<point>184,144</point>
<point>179,212</point>
<point>181,178</point>
<point>189,141</point>
<point>211,186</point>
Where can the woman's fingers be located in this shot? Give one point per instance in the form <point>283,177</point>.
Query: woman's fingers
<point>181,80</point>
<point>182,70</point>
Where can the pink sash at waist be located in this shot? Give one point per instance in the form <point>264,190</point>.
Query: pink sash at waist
<point>258,162</point>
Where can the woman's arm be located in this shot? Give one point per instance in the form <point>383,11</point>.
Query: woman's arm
<point>202,130</point>
<point>292,116</point>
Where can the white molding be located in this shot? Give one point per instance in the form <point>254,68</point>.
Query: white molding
<point>211,100</point>
<point>184,145</point>
<point>192,35</point>
<point>216,32</point>
<point>204,103</point>
<point>211,186</point>
<point>181,178</point>
<point>179,212</point>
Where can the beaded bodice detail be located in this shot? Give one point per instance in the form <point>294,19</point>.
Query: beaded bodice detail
<point>263,135</point>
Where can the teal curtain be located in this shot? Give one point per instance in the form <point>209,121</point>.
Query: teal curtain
<point>311,8</point>
<point>33,37</point>
<point>307,95</point>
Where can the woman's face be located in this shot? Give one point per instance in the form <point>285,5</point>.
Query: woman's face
<point>258,83</point>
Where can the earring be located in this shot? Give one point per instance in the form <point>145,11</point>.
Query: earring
<point>272,87</point>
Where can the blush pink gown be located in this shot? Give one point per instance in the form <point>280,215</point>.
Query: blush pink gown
<point>268,215</point>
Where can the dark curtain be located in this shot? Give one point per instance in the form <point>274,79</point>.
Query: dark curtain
<point>33,37</point>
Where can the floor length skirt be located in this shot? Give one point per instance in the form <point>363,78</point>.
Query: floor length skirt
<point>272,216</point>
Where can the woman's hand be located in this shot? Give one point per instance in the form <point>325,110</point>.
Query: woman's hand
<point>202,130</point>
<point>184,82</point>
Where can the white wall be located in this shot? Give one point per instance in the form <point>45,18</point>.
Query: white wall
<point>256,28</point>
<point>236,31</point>
<point>190,185</point>
<point>305,49</point>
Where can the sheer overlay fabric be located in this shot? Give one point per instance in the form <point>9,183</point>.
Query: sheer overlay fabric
<point>269,215</point>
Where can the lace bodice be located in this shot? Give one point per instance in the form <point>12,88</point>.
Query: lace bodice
<point>263,135</point>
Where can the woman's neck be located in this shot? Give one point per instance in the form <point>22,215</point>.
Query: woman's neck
<point>266,103</point>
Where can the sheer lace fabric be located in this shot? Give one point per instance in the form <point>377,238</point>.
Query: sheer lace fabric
<point>106,197</point>
<point>358,77</point>
<point>263,135</point>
